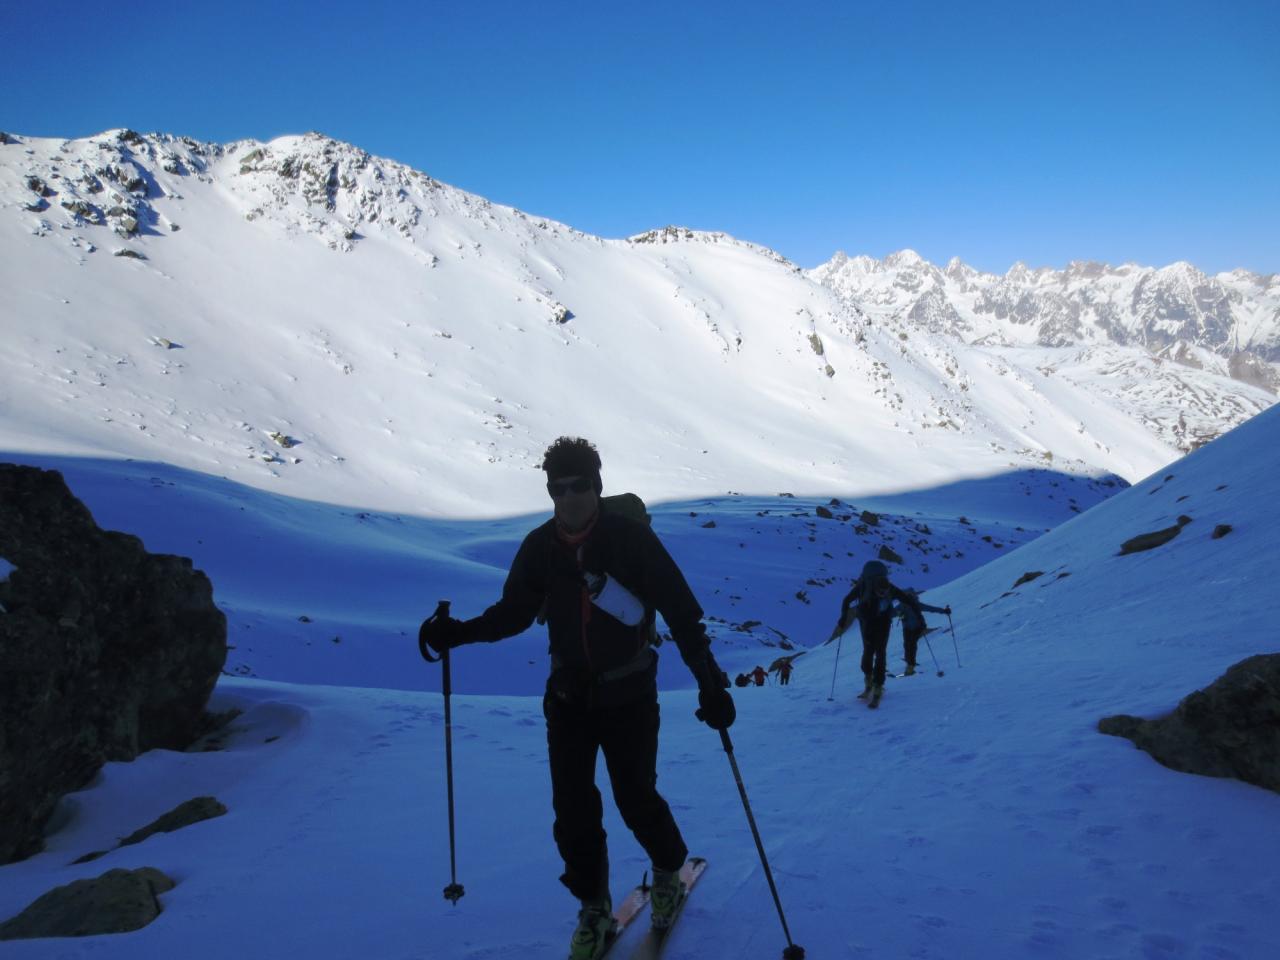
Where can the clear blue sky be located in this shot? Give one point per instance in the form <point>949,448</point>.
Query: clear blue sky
<point>996,132</point>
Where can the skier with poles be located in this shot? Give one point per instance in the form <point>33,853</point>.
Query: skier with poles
<point>598,578</point>
<point>914,626</point>
<point>871,602</point>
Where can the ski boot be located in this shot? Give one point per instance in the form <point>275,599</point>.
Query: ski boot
<point>876,693</point>
<point>664,897</point>
<point>911,669</point>
<point>866,690</point>
<point>595,930</point>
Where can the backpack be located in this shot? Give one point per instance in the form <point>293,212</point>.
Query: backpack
<point>628,505</point>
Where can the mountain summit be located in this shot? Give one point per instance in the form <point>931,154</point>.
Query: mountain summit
<point>305,317</point>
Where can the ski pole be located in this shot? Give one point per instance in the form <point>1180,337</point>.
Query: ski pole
<point>454,891</point>
<point>931,653</point>
<point>953,639</point>
<point>792,951</point>
<point>836,667</point>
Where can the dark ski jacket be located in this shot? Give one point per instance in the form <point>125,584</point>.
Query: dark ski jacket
<point>912,618</point>
<point>595,657</point>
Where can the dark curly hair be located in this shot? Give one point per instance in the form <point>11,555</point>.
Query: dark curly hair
<point>572,457</point>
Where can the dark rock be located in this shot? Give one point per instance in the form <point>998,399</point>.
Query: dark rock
<point>1229,729</point>
<point>1220,531</point>
<point>709,525</point>
<point>888,555</point>
<point>116,902</point>
<point>1028,577</point>
<point>105,651</point>
<point>1157,538</point>
<point>869,518</point>
<point>183,815</point>
<point>823,512</point>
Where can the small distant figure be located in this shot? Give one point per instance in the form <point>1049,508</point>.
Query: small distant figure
<point>741,680</point>
<point>784,672</point>
<point>914,626</point>
<point>759,675</point>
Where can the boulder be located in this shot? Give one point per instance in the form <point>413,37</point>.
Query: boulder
<point>116,902</point>
<point>105,651</point>
<point>1229,729</point>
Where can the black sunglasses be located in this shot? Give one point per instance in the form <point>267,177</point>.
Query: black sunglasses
<point>558,488</point>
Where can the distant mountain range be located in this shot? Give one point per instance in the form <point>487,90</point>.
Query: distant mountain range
<point>303,316</point>
<point>1227,323</point>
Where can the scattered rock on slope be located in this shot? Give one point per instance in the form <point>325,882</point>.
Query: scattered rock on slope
<point>1229,729</point>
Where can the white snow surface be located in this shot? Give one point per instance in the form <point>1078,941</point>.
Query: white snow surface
<point>975,814</point>
<point>304,318</point>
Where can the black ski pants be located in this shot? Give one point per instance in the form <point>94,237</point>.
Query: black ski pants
<point>627,735</point>
<point>911,642</point>
<point>875,641</point>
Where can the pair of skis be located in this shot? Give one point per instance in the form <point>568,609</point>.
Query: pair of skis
<point>650,947</point>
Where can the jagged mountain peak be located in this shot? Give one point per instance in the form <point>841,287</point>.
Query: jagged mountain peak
<point>905,259</point>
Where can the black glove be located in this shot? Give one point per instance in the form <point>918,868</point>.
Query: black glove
<point>715,704</point>
<point>444,633</point>
<point>947,610</point>
<point>716,709</point>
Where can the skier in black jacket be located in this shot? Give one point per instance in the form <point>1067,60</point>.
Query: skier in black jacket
<point>871,603</point>
<point>602,692</point>
<point>914,627</point>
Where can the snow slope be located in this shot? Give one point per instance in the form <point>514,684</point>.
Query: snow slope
<point>977,814</point>
<point>309,320</point>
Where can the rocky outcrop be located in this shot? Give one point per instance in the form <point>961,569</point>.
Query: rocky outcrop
<point>183,815</point>
<point>116,902</point>
<point>105,651</point>
<point>1229,729</point>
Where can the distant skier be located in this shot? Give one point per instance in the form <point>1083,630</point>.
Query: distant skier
<point>784,672</point>
<point>870,602</point>
<point>759,675</point>
<point>914,626</point>
<point>602,692</point>
<point>742,680</point>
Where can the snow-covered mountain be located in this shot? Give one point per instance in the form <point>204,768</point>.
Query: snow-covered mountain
<point>1227,325</point>
<point>306,318</point>
<point>1088,302</point>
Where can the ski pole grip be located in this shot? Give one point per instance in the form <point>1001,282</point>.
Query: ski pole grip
<point>424,648</point>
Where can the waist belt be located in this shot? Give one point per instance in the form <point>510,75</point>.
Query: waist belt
<point>641,661</point>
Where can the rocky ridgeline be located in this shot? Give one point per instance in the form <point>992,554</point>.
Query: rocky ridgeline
<point>105,651</point>
<point>1176,311</point>
<point>309,182</point>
